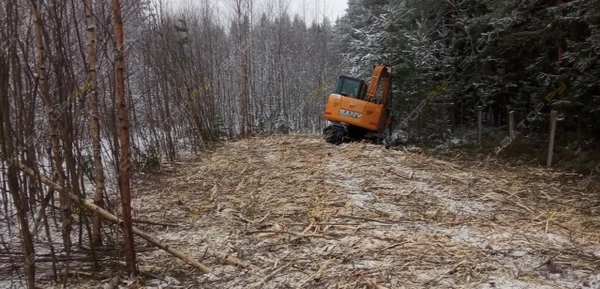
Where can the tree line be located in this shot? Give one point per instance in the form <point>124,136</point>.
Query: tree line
<point>527,56</point>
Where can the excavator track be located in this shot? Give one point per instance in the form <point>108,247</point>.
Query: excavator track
<point>335,134</point>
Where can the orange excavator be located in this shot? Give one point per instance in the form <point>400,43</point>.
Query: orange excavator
<point>360,112</point>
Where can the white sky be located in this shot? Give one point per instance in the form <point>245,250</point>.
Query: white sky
<point>315,9</point>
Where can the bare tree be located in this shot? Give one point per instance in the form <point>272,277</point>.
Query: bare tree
<point>52,114</point>
<point>94,120</point>
<point>9,152</point>
<point>125,162</point>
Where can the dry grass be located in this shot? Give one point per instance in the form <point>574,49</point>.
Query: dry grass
<point>306,214</point>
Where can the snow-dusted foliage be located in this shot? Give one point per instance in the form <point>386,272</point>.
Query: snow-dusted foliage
<point>502,55</point>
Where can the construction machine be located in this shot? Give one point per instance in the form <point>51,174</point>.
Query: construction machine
<point>358,111</point>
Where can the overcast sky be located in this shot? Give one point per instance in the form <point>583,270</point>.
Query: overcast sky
<point>333,9</point>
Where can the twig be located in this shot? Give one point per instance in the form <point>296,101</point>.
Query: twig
<point>263,218</point>
<point>548,221</point>
<point>268,277</point>
<point>203,255</point>
<point>154,223</point>
<point>235,262</point>
<point>373,283</point>
<point>397,174</point>
<point>307,228</point>
<point>317,275</point>
<point>364,219</point>
<point>287,232</point>
<point>447,271</point>
<point>392,246</point>
<point>409,193</point>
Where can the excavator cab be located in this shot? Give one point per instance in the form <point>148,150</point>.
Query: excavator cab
<point>351,87</point>
<point>359,111</point>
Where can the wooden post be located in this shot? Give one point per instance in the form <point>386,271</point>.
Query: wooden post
<point>424,125</point>
<point>452,120</point>
<point>479,124</point>
<point>462,112</point>
<point>552,132</point>
<point>511,125</point>
<point>420,126</point>
<point>408,123</point>
<point>420,122</point>
<point>578,129</point>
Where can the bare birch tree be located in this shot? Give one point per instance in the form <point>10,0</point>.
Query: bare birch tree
<point>94,118</point>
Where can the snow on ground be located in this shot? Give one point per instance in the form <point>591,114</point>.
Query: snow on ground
<point>461,234</point>
<point>306,214</point>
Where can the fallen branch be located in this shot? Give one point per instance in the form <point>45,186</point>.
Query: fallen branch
<point>363,219</point>
<point>436,279</point>
<point>154,223</point>
<point>389,170</point>
<point>233,261</point>
<point>372,284</point>
<point>288,233</point>
<point>88,204</point>
<point>315,276</point>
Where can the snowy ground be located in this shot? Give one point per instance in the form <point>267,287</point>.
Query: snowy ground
<point>306,214</point>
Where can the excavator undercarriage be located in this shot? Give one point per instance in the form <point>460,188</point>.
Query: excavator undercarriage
<point>338,133</point>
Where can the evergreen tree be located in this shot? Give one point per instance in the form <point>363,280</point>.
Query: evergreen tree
<point>526,56</point>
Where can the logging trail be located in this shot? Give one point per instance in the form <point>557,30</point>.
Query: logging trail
<point>306,214</point>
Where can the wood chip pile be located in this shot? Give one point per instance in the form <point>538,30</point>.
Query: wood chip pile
<point>302,213</point>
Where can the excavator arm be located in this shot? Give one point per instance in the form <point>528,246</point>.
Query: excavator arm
<point>382,73</point>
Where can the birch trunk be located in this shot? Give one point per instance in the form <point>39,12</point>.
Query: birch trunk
<point>94,120</point>
<point>53,127</point>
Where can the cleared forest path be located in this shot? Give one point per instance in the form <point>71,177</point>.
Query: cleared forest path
<point>308,214</point>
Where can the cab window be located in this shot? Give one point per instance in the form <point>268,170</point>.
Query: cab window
<point>350,87</point>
